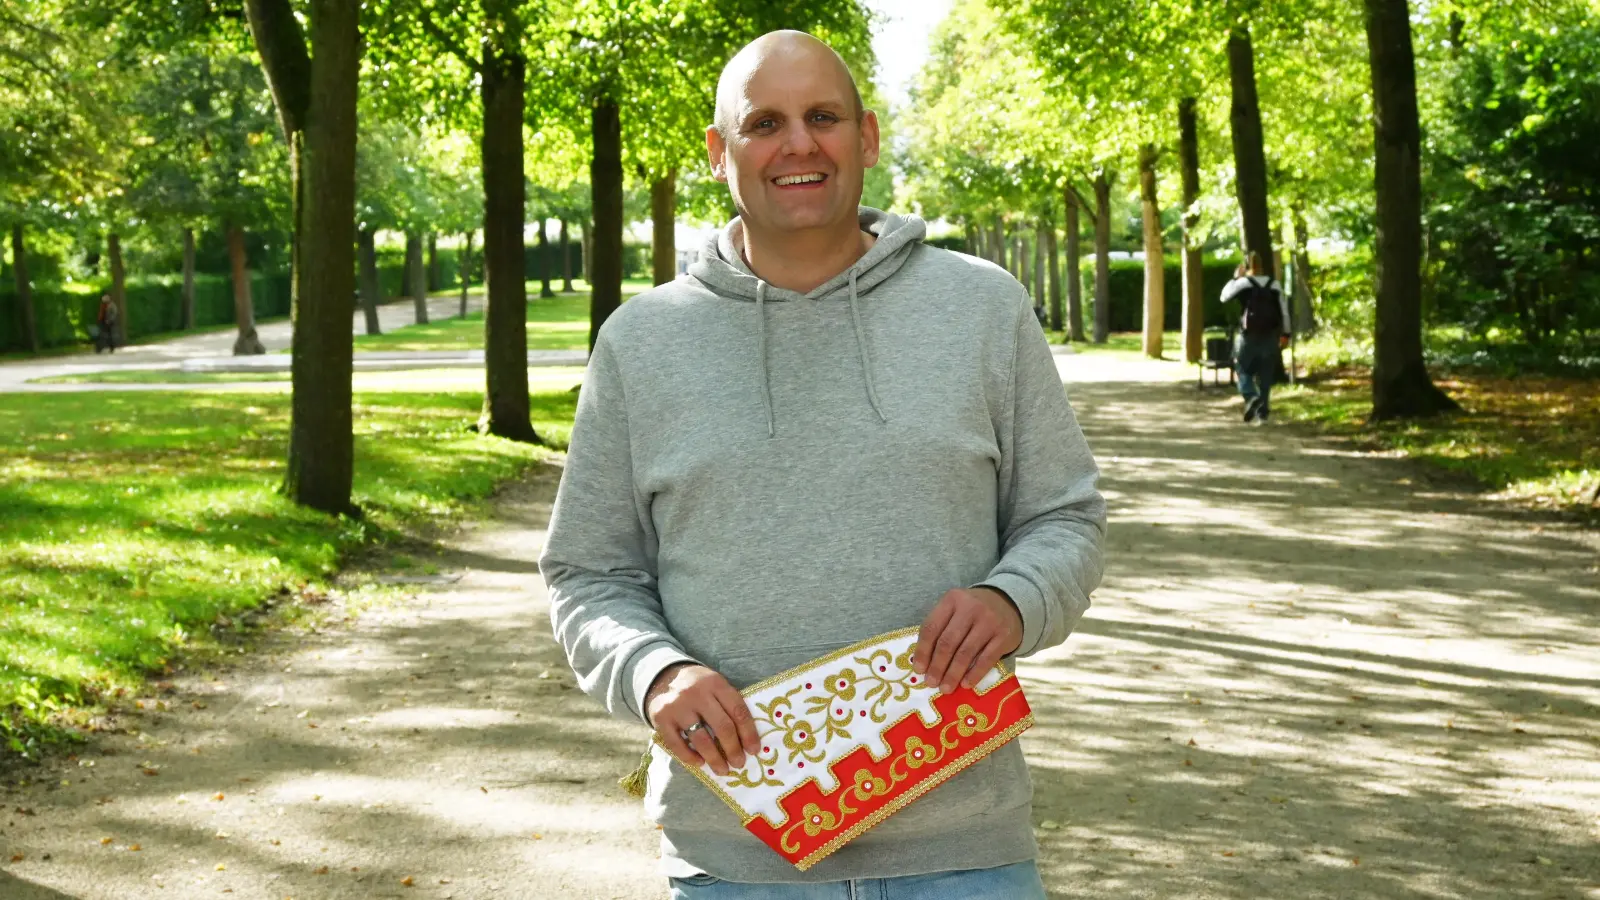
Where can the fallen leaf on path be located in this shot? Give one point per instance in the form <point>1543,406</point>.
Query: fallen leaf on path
<point>1227,853</point>
<point>16,858</point>
<point>1192,743</point>
<point>1356,861</point>
<point>222,867</point>
<point>134,848</point>
<point>105,840</point>
<point>150,771</point>
<point>407,881</point>
<point>320,870</point>
<point>1188,763</point>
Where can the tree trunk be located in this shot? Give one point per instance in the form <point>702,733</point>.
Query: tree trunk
<point>119,286</point>
<point>1000,242</point>
<point>464,267</point>
<point>435,276</point>
<point>19,274</point>
<point>1155,268</point>
<point>188,278</point>
<point>1305,318</point>
<point>1400,383</point>
<point>1023,271</point>
<point>1038,265</point>
<point>505,315</point>
<point>605,186</point>
<point>663,227</point>
<point>586,243</point>
<point>317,107</point>
<point>1249,153</point>
<point>367,251</point>
<point>1074,276</point>
<point>1102,258</point>
<point>248,343</point>
<point>544,262</point>
<point>566,260</point>
<point>972,239</point>
<point>1194,308</point>
<point>1051,254</point>
<point>416,276</point>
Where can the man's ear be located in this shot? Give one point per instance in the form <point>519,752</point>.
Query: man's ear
<point>869,138</point>
<point>717,152</point>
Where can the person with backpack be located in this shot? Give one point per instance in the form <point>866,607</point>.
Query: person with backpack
<point>1263,333</point>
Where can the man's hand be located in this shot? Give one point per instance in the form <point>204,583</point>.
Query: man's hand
<point>686,694</point>
<point>965,636</point>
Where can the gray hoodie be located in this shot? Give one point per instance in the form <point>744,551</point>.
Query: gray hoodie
<point>757,477</point>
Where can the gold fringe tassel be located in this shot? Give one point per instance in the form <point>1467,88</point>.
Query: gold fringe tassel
<point>636,781</point>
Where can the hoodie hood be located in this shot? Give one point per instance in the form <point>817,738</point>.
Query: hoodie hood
<point>722,270</point>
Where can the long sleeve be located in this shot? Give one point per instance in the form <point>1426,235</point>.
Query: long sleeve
<point>599,558</point>
<point>1051,516</point>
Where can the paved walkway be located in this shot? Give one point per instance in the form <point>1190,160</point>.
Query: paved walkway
<point>1310,673</point>
<point>215,347</point>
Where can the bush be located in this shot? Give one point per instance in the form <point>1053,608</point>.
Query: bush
<point>155,305</point>
<point>1127,293</point>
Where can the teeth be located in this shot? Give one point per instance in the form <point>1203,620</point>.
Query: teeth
<point>799,179</point>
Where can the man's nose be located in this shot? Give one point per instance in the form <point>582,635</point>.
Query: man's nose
<point>797,138</point>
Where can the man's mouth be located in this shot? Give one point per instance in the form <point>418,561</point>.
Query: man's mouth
<point>798,180</point>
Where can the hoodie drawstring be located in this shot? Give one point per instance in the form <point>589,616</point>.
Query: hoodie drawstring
<point>866,355</point>
<point>761,344</point>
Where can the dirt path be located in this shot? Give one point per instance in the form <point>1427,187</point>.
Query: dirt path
<point>1309,674</point>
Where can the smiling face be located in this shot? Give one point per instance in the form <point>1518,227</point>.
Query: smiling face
<point>791,140</point>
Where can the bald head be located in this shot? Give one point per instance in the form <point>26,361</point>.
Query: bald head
<point>788,47</point>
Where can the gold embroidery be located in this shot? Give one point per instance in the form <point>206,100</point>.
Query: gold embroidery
<point>746,817</point>
<point>915,793</point>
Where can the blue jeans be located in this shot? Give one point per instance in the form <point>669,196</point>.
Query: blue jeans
<point>1258,360</point>
<point>1019,881</point>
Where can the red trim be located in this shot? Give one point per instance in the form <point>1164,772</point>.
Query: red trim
<point>1001,712</point>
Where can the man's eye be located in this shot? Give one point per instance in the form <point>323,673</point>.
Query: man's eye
<point>823,118</point>
<point>766,124</point>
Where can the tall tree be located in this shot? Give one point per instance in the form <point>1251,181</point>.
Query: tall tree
<point>664,223</point>
<point>1249,153</point>
<point>1074,206</point>
<point>1401,386</point>
<point>1155,268</point>
<point>316,101</point>
<point>1193,268</point>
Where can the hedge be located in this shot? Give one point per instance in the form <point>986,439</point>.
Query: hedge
<point>155,304</point>
<point>1127,293</point>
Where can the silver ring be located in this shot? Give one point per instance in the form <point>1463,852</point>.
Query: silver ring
<point>688,733</point>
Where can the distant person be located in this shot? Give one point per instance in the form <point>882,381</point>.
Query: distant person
<point>1263,333</point>
<point>106,326</point>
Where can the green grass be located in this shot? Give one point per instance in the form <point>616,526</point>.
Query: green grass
<point>161,376</point>
<point>1128,343</point>
<point>1529,439</point>
<point>540,378</point>
<point>131,523</point>
<point>554,323</point>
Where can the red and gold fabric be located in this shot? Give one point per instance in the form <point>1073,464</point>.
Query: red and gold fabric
<point>849,739</point>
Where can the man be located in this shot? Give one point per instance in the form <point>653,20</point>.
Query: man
<point>826,432</point>
<point>1263,333</point>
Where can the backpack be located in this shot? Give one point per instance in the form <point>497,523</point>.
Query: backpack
<point>1262,314</point>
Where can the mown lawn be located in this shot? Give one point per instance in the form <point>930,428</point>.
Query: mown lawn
<point>554,323</point>
<point>432,380</point>
<point>1529,438</point>
<point>132,523</point>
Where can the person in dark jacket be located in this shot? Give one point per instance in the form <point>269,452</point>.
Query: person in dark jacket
<point>1264,331</point>
<point>106,326</point>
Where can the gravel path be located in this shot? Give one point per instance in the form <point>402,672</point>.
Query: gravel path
<point>1310,673</point>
